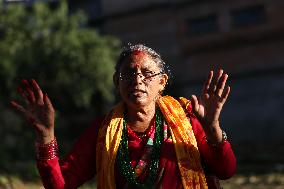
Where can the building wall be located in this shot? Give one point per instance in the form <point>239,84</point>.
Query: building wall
<point>114,7</point>
<point>247,48</point>
<point>244,37</point>
<point>253,57</point>
<point>154,28</point>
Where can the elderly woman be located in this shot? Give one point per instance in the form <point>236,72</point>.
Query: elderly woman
<point>146,141</point>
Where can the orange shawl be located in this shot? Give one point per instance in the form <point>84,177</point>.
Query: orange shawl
<point>183,138</point>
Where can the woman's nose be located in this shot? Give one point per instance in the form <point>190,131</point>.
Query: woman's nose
<point>138,77</point>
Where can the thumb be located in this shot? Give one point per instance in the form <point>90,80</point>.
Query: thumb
<point>195,103</point>
<point>47,102</point>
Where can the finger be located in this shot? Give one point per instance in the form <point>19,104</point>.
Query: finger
<point>225,94</point>
<point>24,112</point>
<point>47,102</point>
<point>207,82</point>
<point>212,87</point>
<point>23,94</point>
<point>215,82</point>
<point>30,95</point>
<point>38,92</point>
<point>18,107</point>
<point>28,91</point>
<point>195,103</point>
<point>221,84</point>
<point>26,83</point>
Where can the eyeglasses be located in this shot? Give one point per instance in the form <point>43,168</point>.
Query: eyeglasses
<point>145,76</point>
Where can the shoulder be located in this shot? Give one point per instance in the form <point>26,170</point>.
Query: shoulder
<point>91,132</point>
<point>88,138</point>
<point>95,125</point>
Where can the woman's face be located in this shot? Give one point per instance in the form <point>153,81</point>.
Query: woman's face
<point>140,80</point>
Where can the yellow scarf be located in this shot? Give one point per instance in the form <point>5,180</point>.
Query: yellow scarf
<point>183,138</point>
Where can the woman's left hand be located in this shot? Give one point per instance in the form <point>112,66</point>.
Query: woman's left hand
<point>209,105</point>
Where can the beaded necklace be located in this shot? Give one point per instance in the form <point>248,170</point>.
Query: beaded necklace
<point>124,161</point>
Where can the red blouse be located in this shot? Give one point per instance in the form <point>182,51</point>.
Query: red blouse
<point>79,165</point>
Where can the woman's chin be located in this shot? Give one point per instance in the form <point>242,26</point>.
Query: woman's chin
<point>138,100</point>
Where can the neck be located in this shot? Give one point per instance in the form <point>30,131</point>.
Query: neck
<point>140,119</point>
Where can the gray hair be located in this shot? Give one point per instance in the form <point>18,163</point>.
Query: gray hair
<point>130,48</point>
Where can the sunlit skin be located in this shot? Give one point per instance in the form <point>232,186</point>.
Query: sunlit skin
<point>138,94</point>
<point>209,104</point>
<point>137,58</point>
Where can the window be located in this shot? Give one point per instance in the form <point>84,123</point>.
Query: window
<point>202,25</point>
<point>249,16</point>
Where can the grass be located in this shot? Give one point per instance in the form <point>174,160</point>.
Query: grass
<point>260,181</point>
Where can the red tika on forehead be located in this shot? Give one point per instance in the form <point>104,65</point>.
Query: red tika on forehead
<point>137,57</point>
<point>138,53</point>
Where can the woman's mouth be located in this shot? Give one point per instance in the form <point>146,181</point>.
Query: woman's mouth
<point>137,92</point>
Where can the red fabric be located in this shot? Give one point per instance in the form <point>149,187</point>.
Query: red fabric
<point>79,165</point>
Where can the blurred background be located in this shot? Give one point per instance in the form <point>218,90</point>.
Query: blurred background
<point>70,48</point>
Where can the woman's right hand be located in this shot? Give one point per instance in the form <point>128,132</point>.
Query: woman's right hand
<point>38,110</point>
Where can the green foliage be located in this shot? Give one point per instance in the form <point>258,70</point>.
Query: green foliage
<point>71,62</point>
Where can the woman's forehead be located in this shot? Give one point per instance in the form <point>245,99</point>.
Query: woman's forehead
<point>139,60</point>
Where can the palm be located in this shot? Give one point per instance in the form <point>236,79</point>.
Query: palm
<point>41,117</point>
<point>38,110</point>
<point>209,105</point>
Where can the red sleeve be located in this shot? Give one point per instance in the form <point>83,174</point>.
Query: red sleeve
<point>220,160</point>
<point>77,167</point>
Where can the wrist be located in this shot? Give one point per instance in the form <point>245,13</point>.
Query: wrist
<point>210,123</point>
<point>211,128</point>
<point>45,139</point>
<point>217,142</point>
<point>213,132</point>
<point>46,151</point>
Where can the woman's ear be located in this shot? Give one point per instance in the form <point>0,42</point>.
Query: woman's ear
<point>164,81</point>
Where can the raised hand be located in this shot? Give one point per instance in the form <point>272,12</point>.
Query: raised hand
<point>38,110</point>
<point>209,105</point>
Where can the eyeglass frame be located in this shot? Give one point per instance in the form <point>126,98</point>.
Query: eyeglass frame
<point>134,74</point>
